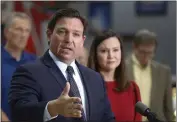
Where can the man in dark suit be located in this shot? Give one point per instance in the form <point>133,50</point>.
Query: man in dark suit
<point>56,88</point>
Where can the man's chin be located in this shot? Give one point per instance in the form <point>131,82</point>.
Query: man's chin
<point>66,57</point>
<point>20,48</point>
<point>144,64</point>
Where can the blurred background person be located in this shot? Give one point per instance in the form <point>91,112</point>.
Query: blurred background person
<point>106,57</point>
<point>4,14</point>
<point>16,31</point>
<point>2,33</point>
<point>83,58</point>
<point>153,78</point>
<point>174,99</point>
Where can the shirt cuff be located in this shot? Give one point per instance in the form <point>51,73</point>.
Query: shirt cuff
<point>47,116</point>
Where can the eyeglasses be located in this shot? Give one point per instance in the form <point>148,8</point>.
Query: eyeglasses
<point>146,53</point>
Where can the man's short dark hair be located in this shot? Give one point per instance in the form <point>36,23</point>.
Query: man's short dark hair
<point>145,36</point>
<point>68,12</point>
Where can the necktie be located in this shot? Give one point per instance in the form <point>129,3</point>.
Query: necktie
<point>73,86</point>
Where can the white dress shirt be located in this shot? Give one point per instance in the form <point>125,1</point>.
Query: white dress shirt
<point>77,77</point>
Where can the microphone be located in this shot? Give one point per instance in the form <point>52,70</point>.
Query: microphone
<point>145,111</point>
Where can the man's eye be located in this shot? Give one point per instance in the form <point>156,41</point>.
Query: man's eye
<point>61,31</point>
<point>76,34</point>
<point>116,50</point>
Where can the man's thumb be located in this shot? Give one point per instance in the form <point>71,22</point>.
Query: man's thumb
<point>66,89</point>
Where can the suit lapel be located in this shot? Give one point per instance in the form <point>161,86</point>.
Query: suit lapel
<point>54,70</point>
<point>87,87</point>
<point>154,83</point>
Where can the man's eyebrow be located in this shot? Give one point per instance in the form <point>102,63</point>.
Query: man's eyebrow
<point>116,47</point>
<point>78,31</point>
<point>63,28</point>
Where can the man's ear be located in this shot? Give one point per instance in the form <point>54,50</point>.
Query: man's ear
<point>49,33</point>
<point>84,38</point>
<point>5,32</point>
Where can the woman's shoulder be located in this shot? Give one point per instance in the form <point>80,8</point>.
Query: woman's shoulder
<point>133,84</point>
<point>136,89</point>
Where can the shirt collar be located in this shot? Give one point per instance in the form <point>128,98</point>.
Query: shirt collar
<point>135,61</point>
<point>62,66</point>
<point>6,55</point>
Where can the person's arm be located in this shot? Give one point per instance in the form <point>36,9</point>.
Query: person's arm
<point>108,115</point>
<point>4,117</point>
<point>47,116</point>
<point>24,96</point>
<point>25,100</point>
<point>168,106</point>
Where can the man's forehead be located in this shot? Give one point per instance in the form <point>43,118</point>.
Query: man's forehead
<point>147,47</point>
<point>63,26</point>
<point>19,20</point>
<point>70,23</point>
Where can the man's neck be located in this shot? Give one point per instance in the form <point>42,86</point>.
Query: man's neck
<point>108,75</point>
<point>56,58</point>
<point>143,66</point>
<point>14,52</point>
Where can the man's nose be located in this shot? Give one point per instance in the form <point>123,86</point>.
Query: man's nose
<point>24,34</point>
<point>68,38</point>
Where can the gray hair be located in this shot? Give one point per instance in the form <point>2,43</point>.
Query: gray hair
<point>145,36</point>
<point>13,15</point>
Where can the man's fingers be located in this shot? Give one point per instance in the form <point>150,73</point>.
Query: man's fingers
<point>66,89</point>
<point>74,110</point>
<point>74,100</point>
<point>75,113</point>
<point>75,106</point>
